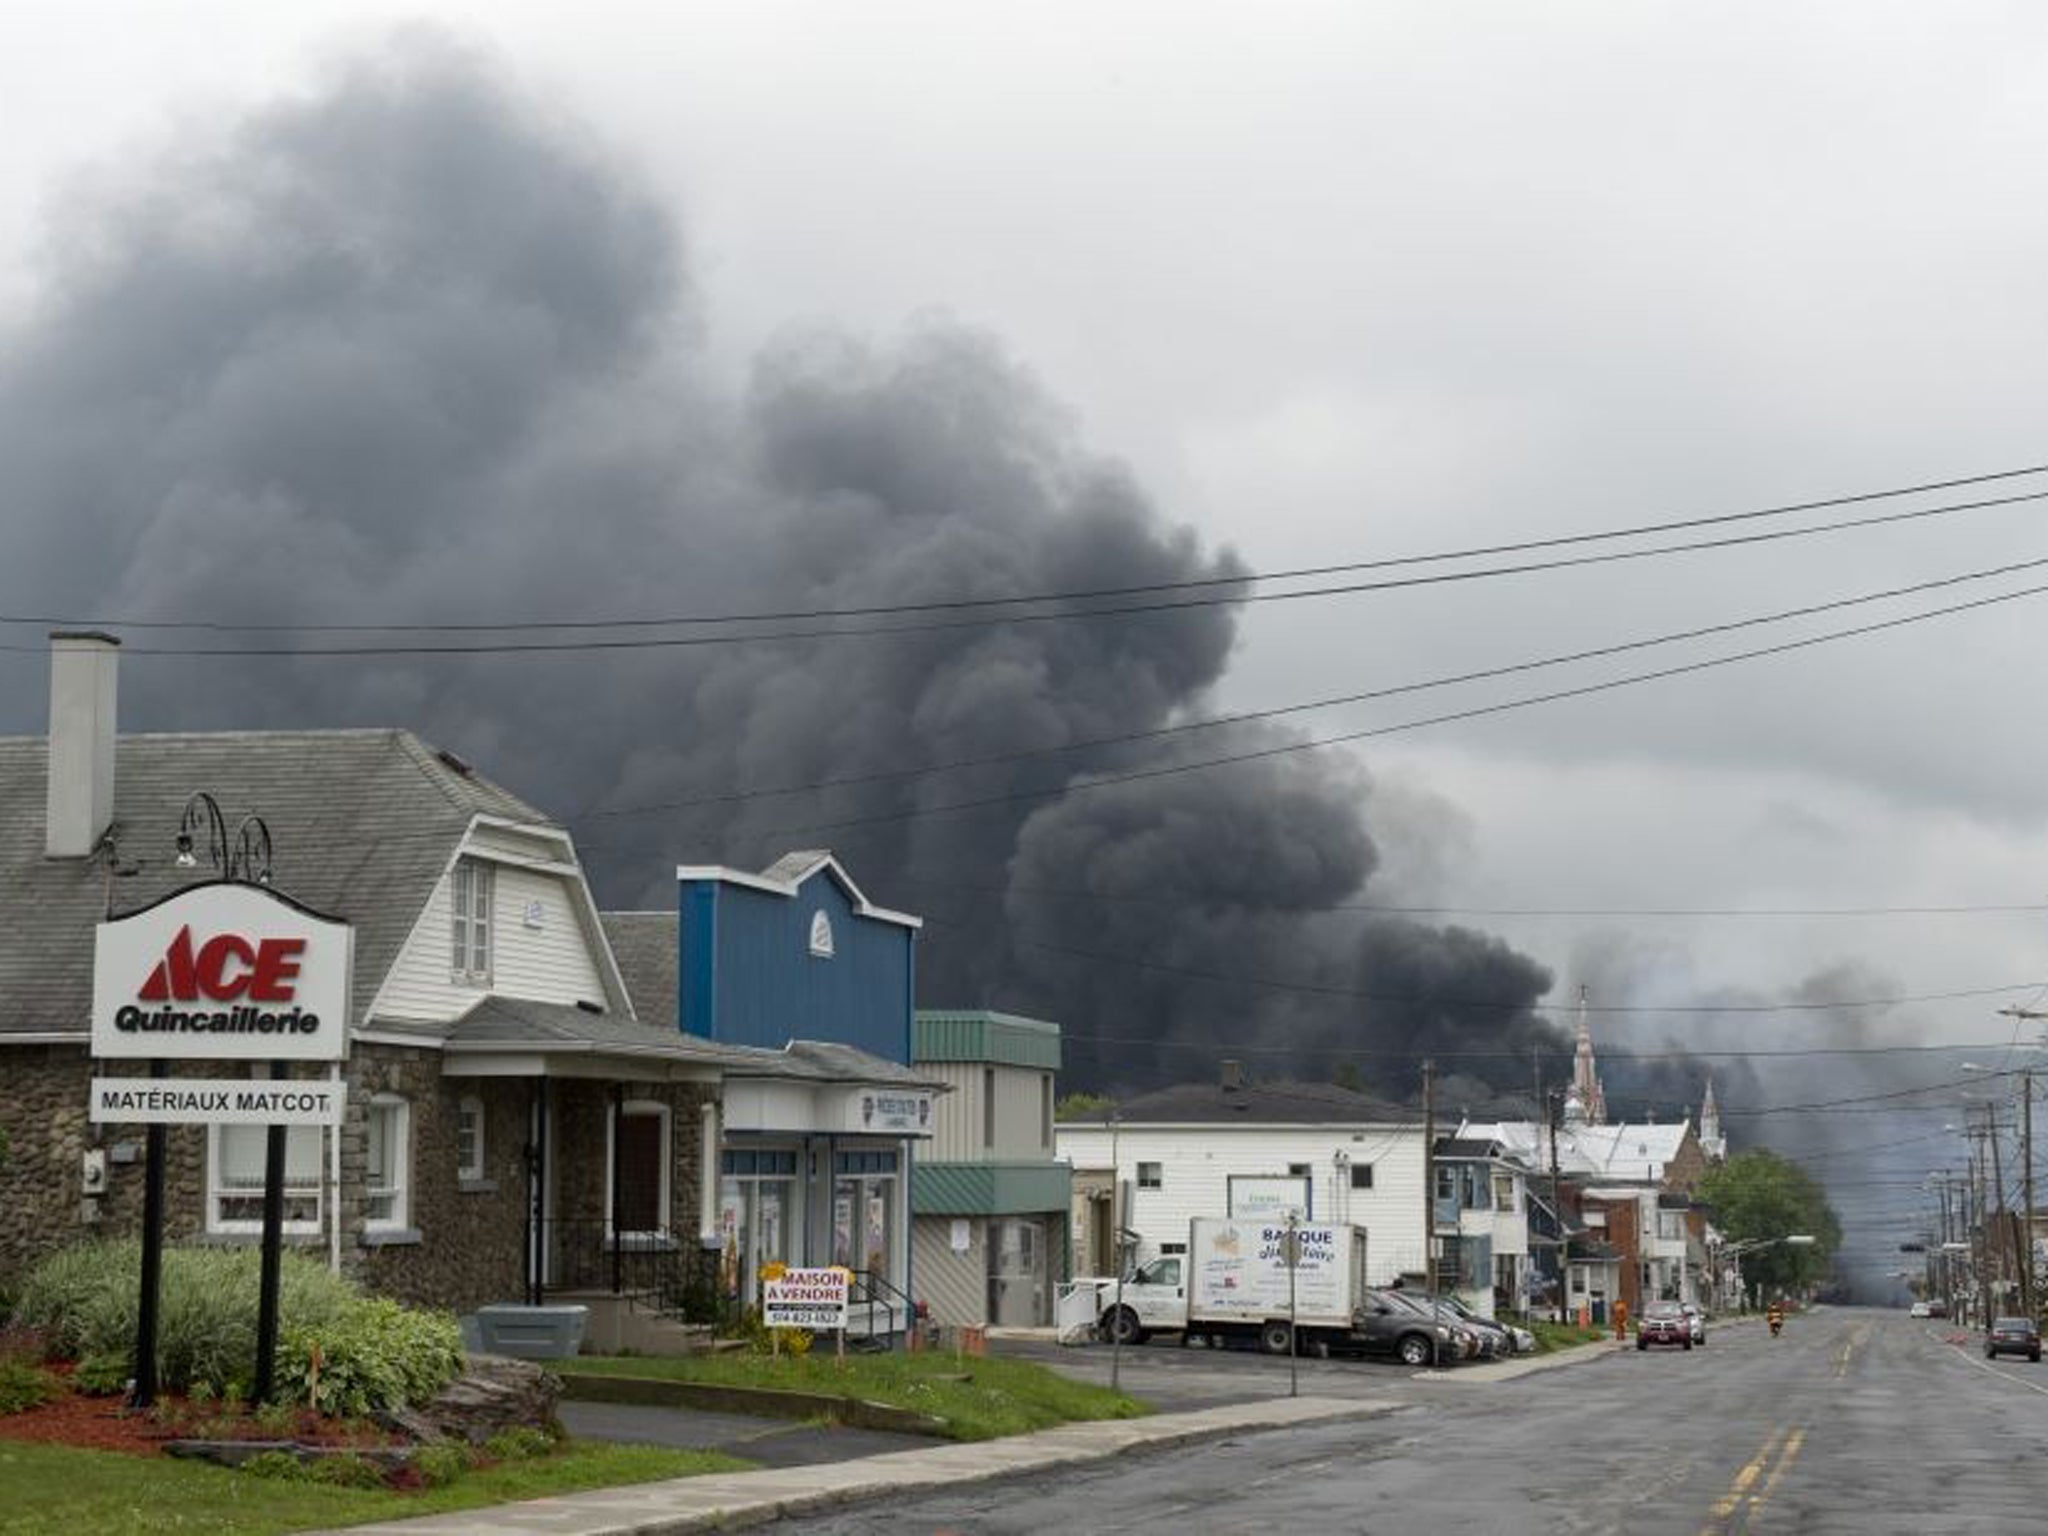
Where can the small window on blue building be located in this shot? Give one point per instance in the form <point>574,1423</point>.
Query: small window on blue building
<point>821,935</point>
<point>865,1162</point>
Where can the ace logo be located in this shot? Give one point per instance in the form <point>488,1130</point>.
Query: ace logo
<point>223,970</point>
<point>227,968</point>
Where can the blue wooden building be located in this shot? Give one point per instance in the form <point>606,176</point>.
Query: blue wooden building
<point>814,982</point>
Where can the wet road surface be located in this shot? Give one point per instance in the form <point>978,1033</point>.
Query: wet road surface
<point>1853,1421</point>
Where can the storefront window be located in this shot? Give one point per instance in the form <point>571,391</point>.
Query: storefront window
<point>756,1216</point>
<point>864,1211</point>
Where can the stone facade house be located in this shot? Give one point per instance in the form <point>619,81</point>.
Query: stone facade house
<point>526,1115</point>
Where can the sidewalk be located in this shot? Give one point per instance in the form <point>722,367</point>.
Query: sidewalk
<point>1509,1370</point>
<point>725,1500</point>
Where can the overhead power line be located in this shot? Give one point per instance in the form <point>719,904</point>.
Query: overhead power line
<point>1243,717</point>
<point>1521,1056</point>
<point>1507,706</point>
<point>1947,1085</point>
<point>1399,909</point>
<point>1367,994</point>
<point>753,637</point>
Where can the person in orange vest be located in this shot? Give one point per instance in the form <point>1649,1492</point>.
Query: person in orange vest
<point>1621,1319</point>
<point>1775,1316</point>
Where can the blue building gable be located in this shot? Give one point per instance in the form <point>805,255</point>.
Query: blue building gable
<point>793,953</point>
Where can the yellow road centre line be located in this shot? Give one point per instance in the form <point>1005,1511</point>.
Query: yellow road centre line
<point>1751,1470</point>
<point>1790,1455</point>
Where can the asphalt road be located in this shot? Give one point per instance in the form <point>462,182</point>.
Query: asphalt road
<point>1853,1421</point>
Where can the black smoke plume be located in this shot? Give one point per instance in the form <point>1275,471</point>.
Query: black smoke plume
<point>409,348</point>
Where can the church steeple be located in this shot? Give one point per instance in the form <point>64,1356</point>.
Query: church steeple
<point>1586,1088</point>
<point>1711,1141</point>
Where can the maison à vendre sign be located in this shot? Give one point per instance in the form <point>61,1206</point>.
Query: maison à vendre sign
<point>805,1298</point>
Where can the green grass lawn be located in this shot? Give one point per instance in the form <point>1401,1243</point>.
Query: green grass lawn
<point>1555,1336</point>
<point>997,1397</point>
<point>45,1488</point>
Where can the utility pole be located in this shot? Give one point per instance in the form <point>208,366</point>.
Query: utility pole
<point>1116,1247</point>
<point>1998,1226</point>
<point>1947,1271</point>
<point>1550,1113</point>
<point>2029,1290</point>
<point>1980,1247</point>
<point>2027,1297</point>
<point>1429,1199</point>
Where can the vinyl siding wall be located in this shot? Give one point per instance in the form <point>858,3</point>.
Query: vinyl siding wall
<point>953,1285</point>
<point>550,964</point>
<point>1197,1161</point>
<point>749,978</point>
<point>959,1135</point>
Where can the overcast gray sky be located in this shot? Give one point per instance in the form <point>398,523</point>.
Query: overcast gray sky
<point>1344,281</point>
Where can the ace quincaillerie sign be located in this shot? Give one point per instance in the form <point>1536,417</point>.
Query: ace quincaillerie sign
<point>225,972</point>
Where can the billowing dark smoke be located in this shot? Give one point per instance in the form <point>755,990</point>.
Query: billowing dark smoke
<point>1856,1117</point>
<point>410,349</point>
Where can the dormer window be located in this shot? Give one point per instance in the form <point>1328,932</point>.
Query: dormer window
<point>471,901</point>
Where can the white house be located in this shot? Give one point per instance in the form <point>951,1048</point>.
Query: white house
<point>1482,1224</point>
<point>1196,1149</point>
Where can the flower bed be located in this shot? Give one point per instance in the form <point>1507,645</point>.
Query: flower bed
<point>105,1423</point>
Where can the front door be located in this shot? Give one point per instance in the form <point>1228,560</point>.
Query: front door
<point>638,1155</point>
<point>1017,1292</point>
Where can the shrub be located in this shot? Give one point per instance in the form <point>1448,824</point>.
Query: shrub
<point>439,1465</point>
<point>86,1298</point>
<point>23,1385</point>
<point>375,1356</point>
<point>519,1443</point>
<point>102,1375</point>
<point>57,1292</point>
<point>345,1471</point>
<point>282,1466</point>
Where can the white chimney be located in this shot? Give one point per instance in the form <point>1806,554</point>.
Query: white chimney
<point>83,669</point>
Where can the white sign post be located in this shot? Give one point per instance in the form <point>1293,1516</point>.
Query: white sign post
<point>223,971</point>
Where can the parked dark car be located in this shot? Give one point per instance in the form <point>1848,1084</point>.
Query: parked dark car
<point>1495,1341</point>
<point>2013,1336</point>
<point>1664,1322</point>
<point>1389,1326</point>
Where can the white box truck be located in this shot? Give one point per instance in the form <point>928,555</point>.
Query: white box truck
<point>1233,1282</point>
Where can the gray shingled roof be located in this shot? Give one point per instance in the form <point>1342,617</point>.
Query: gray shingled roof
<point>1466,1147</point>
<point>1210,1103</point>
<point>363,823</point>
<point>645,946</point>
<point>797,863</point>
<point>514,1023</point>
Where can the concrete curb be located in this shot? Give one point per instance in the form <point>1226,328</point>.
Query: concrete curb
<point>759,1402</point>
<point>725,1501</point>
<point>1514,1370</point>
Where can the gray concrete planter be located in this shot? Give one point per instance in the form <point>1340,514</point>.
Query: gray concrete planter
<point>532,1333</point>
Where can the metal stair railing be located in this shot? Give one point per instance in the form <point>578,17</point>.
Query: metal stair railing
<point>649,1271</point>
<point>870,1293</point>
